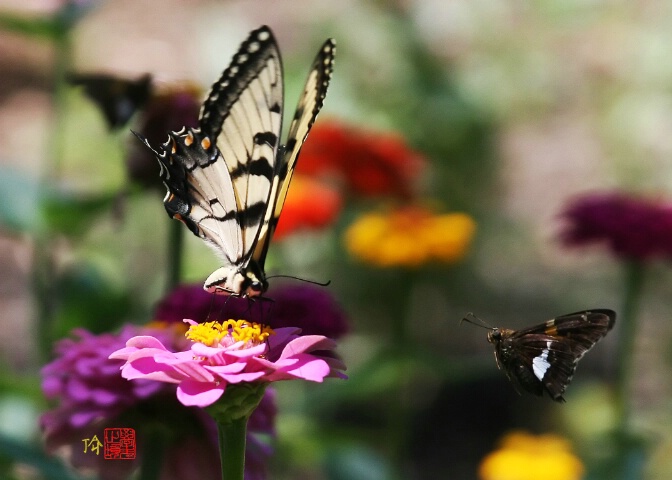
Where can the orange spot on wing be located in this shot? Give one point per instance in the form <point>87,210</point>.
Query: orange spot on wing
<point>551,328</point>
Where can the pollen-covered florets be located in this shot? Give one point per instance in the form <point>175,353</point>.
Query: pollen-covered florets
<point>230,332</point>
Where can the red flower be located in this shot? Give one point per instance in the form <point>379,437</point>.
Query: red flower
<point>310,204</point>
<point>632,228</point>
<point>369,164</point>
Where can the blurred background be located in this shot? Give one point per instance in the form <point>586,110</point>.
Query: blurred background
<point>453,138</point>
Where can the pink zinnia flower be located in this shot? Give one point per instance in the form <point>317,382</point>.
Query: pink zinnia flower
<point>227,353</point>
<point>90,395</point>
<point>633,228</point>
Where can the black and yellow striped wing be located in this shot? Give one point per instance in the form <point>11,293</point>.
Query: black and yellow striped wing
<point>227,180</point>
<point>309,105</point>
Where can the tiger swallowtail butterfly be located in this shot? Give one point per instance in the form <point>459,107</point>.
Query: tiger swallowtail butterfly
<point>543,358</point>
<point>227,180</point>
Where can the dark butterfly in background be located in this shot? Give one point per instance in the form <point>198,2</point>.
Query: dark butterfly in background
<point>543,358</point>
<point>227,179</point>
<point>118,98</point>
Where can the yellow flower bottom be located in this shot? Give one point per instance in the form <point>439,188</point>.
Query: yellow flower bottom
<point>528,457</point>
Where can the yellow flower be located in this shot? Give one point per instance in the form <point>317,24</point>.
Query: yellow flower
<point>410,237</point>
<point>529,457</point>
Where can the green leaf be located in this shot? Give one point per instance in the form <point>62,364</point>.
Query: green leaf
<point>47,26</point>
<point>626,457</point>
<point>19,209</point>
<point>72,214</point>
<point>28,208</point>
<point>87,299</point>
<point>360,463</point>
<point>18,452</point>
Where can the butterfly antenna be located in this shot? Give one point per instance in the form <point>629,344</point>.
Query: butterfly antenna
<point>470,317</point>
<point>325,284</point>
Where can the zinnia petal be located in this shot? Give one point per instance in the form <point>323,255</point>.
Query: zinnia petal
<point>307,343</point>
<point>193,393</point>
<point>304,366</point>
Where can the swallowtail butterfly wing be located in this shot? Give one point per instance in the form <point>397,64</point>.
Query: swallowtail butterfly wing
<point>227,179</point>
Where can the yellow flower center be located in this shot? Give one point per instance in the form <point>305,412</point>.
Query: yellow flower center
<point>214,334</point>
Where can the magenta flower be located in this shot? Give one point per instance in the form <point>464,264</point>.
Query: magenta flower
<point>87,384</point>
<point>634,229</point>
<point>311,308</point>
<point>308,307</point>
<point>191,301</point>
<point>91,395</point>
<point>228,353</point>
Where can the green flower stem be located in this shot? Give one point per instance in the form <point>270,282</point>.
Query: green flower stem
<point>629,454</point>
<point>634,283</point>
<point>62,65</point>
<point>231,413</point>
<point>402,348</point>
<point>43,266</point>
<point>153,455</point>
<point>175,254</point>
<point>232,438</point>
